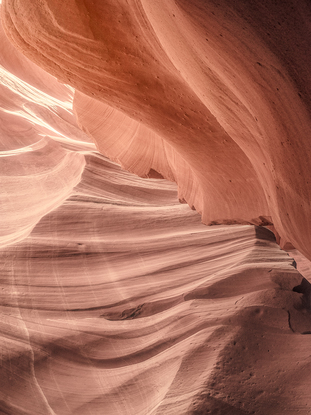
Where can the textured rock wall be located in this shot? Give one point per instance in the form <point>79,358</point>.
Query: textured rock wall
<point>114,297</point>
<point>215,95</point>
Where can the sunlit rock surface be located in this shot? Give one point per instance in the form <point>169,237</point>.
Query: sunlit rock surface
<point>122,302</point>
<point>115,298</point>
<point>222,88</point>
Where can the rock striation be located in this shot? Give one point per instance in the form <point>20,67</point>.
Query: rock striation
<point>121,302</point>
<point>114,297</point>
<point>220,93</point>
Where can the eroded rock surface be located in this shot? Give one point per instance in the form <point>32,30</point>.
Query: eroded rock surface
<point>114,297</point>
<point>122,302</point>
<point>220,89</point>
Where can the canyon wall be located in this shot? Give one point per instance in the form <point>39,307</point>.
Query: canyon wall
<point>114,297</point>
<point>211,94</point>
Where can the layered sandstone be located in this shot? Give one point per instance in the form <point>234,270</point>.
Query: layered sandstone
<point>114,297</point>
<point>215,95</point>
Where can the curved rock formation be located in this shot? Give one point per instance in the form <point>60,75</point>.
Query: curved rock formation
<point>226,87</point>
<point>122,302</point>
<point>37,173</point>
<point>114,297</point>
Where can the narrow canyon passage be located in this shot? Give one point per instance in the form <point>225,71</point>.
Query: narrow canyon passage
<point>116,298</point>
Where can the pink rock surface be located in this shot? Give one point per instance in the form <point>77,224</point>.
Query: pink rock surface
<point>114,297</point>
<point>225,86</point>
<point>122,302</point>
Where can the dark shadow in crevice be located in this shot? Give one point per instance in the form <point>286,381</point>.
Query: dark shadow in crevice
<point>265,234</point>
<point>305,289</point>
<point>208,405</point>
<point>153,174</point>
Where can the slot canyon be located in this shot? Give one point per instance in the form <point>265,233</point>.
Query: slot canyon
<point>155,201</point>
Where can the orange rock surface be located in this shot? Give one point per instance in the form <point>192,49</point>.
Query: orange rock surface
<point>220,93</point>
<point>114,298</point>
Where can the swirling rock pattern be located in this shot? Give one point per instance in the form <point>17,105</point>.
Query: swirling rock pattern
<point>115,298</point>
<point>122,302</point>
<point>226,87</point>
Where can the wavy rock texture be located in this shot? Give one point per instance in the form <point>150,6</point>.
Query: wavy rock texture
<point>122,302</point>
<point>114,297</point>
<point>222,89</point>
